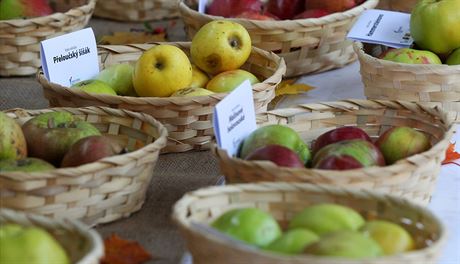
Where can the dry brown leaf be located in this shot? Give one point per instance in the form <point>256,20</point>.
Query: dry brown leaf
<point>120,251</point>
<point>451,155</point>
<point>289,87</point>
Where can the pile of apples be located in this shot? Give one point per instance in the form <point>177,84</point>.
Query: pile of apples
<point>324,229</point>
<point>342,148</point>
<point>217,52</point>
<point>15,9</point>
<point>278,9</point>
<point>431,26</point>
<point>51,140</point>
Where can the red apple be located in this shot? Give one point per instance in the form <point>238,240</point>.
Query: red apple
<point>312,13</point>
<point>401,142</point>
<point>339,134</point>
<point>285,9</point>
<point>280,155</point>
<point>257,16</point>
<point>331,6</point>
<point>90,149</point>
<point>231,8</point>
<point>348,154</point>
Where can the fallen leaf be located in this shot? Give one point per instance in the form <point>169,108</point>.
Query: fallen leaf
<point>120,251</point>
<point>289,87</point>
<point>451,155</point>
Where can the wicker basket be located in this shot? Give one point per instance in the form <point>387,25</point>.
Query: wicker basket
<point>428,84</point>
<point>307,45</point>
<point>20,38</point>
<point>397,5</point>
<point>137,10</point>
<point>188,119</point>
<point>82,245</point>
<point>197,209</point>
<point>413,178</point>
<point>98,192</point>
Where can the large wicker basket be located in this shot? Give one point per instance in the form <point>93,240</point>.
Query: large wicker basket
<point>307,45</point>
<point>428,84</point>
<point>82,245</point>
<point>98,192</point>
<point>413,178</point>
<point>20,38</point>
<point>137,10</point>
<point>188,119</point>
<point>197,209</point>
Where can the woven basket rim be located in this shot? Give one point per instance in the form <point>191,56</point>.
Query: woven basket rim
<point>97,246</point>
<point>287,24</point>
<point>180,211</point>
<point>120,159</point>
<point>117,99</point>
<point>383,104</point>
<point>441,69</point>
<point>57,16</point>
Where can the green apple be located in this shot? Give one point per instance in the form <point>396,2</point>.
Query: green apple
<point>229,80</point>
<point>12,141</point>
<point>412,56</point>
<point>250,225</point>
<point>327,218</point>
<point>293,241</point>
<point>391,237</point>
<point>119,77</point>
<point>32,245</point>
<point>434,24</point>
<point>454,57</point>
<point>25,165</point>
<point>14,9</point>
<point>192,91</point>
<point>95,86</point>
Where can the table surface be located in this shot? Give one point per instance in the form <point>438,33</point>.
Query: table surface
<point>176,174</point>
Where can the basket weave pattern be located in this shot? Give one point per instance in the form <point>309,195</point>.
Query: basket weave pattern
<point>413,178</point>
<point>98,192</point>
<point>283,200</point>
<point>20,38</point>
<point>188,119</point>
<point>137,10</point>
<point>428,84</point>
<point>307,45</point>
<point>83,245</point>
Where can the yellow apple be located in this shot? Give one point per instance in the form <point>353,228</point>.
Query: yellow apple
<point>162,70</point>
<point>219,46</point>
<point>192,91</point>
<point>199,78</point>
<point>95,86</point>
<point>227,81</point>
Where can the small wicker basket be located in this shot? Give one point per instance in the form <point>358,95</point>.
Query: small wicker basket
<point>20,38</point>
<point>82,245</point>
<point>98,192</point>
<point>197,209</point>
<point>428,84</point>
<point>137,10</point>
<point>397,5</point>
<point>188,119</point>
<point>307,45</point>
<point>413,178</point>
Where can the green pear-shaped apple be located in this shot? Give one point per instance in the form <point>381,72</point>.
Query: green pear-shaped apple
<point>119,77</point>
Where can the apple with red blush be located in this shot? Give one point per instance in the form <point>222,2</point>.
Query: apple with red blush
<point>312,13</point>
<point>331,6</point>
<point>339,134</point>
<point>232,8</point>
<point>285,9</point>
<point>280,155</point>
<point>249,14</point>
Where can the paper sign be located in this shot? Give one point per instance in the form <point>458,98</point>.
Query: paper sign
<point>70,58</point>
<point>202,6</point>
<point>234,118</point>
<point>388,28</point>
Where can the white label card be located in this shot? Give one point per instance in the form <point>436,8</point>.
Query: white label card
<point>234,118</point>
<point>383,27</point>
<point>70,58</point>
<point>202,6</point>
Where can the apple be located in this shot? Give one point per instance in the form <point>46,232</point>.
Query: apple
<point>285,9</point>
<point>280,155</point>
<point>401,142</point>
<point>454,57</point>
<point>199,78</point>
<point>293,241</point>
<point>432,23</point>
<point>227,81</point>
<point>348,154</point>
<point>25,165</point>
<point>21,244</point>
<point>231,8</point>
<point>119,77</point>
<point>250,225</point>
<point>94,86</point>
<point>257,15</point>
<point>192,91</point>
<point>220,45</point>
<point>331,6</point>
<point>13,9</point>
<point>412,56</point>
<point>392,238</point>
<point>50,135</point>
<point>275,134</point>
<point>12,141</point>
<point>327,218</point>
<point>162,70</point>
<point>312,13</point>
<point>339,134</point>
<point>90,149</point>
